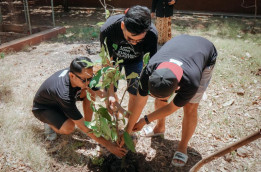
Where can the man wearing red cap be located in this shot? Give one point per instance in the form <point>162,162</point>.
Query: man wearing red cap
<point>181,69</point>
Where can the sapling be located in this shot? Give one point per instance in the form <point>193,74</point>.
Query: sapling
<point>104,124</point>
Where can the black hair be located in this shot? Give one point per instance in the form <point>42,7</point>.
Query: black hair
<point>78,64</point>
<point>137,20</point>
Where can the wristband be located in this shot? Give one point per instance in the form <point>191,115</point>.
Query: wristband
<point>146,119</point>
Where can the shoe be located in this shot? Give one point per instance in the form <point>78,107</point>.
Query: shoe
<point>181,157</point>
<point>49,133</point>
<point>148,132</point>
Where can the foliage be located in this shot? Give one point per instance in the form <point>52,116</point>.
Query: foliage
<point>78,33</point>
<point>128,141</point>
<point>97,160</point>
<point>103,123</point>
<point>2,55</point>
<point>146,59</point>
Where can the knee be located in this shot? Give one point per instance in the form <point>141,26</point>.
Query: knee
<point>67,127</point>
<point>191,109</point>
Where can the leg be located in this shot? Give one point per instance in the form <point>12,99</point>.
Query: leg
<point>160,127</point>
<point>131,102</point>
<point>67,127</point>
<point>56,119</point>
<point>189,124</point>
<point>132,84</point>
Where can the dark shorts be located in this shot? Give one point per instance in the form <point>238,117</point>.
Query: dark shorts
<point>52,116</point>
<point>134,83</point>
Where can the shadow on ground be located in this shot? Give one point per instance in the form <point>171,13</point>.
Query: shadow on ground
<point>135,162</point>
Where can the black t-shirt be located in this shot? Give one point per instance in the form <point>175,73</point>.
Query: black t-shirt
<point>193,54</point>
<point>118,46</point>
<point>57,92</point>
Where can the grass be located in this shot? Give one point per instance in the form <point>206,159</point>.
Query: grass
<point>238,42</point>
<point>79,34</point>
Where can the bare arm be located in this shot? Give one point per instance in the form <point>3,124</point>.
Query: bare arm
<point>113,148</point>
<point>86,104</point>
<point>140,102</point>
<point>158,114</point>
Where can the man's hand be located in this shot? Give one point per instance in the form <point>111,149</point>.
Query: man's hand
<point>116,150</point>
<point>120,141</point>
<point>139,125</point>
<point>172,2</point>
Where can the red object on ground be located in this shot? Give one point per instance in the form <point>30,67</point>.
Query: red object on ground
<point>19,44</point>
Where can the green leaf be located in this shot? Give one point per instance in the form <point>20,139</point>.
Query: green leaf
<point>97,161</point>
<point>132,75</point>
<point>107,14</point>
<point>95,80</point>
<point>105,127</point>
<point>119,61</point>
<point>115,46</point>
<point>93,107</point>
<point>89,64</point>
<point>146,59</point>
<point>90,125</point>
<point>88,95</point>
<point>102,53</point>
<point>104,69</point>
<point>115,84</point>
<point>128,141</point>
<point>104,113</point>
<point>97,133</point>
<point>2,55</point>
<point>114,135</point>
<point>100,24</point>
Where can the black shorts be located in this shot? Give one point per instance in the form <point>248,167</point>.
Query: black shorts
<point>52,116</point>
<point>133,83</point>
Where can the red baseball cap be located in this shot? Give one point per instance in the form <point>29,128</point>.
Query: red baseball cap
<point>164,80</point>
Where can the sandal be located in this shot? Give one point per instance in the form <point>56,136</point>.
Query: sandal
<point>181,157</point>
<point>148,132</point>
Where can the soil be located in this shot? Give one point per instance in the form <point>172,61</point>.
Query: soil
<point>29,68</point>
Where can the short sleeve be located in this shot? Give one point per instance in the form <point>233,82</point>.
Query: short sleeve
<point>70,109</point>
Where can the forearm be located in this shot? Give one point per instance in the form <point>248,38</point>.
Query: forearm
<point>100,140</point>
<point>162,112</point>
<point>101,93</point>
<point>87,107</point>
<point>87,131</point>
<point>140,102</point>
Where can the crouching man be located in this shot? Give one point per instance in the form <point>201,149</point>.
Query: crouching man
<point>181,69</point>
<point>55,103</point>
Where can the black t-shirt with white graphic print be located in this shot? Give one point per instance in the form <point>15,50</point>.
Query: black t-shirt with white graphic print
<point>193,54</point>
<point>119,48</point>
<point>57,92</point>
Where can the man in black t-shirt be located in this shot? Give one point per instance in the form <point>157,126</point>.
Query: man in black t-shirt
<point>183,66</point>
<point>54,102</point>
<point>128,38</point>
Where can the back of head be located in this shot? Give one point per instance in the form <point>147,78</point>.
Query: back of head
<point>79,63</point>
<point>137,20</point>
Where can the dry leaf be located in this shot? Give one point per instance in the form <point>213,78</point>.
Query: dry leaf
<point>228,103</point>
<point>243,152</point>
<point>241,92</point>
